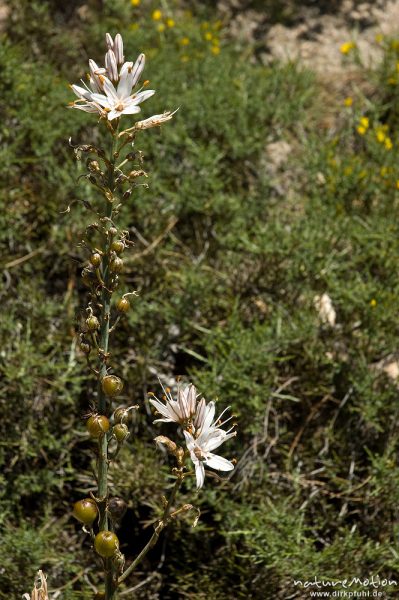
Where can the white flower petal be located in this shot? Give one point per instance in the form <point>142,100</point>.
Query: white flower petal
<point>219,463</point>
<point>111,65</point>
<point>141,96</point>
<point>110,91</point>
<point>101,99</point>
<point>109,41</point>
<point>118,48</point>
<point>199,474</point>
<point>131,109</point>
<point>81,92</point>
<point>138,69</point>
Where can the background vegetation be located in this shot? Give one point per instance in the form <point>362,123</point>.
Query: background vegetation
<point>231,247</point>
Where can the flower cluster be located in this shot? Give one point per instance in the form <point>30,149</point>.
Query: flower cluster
<point>203,433</point>
<point>110,90</point>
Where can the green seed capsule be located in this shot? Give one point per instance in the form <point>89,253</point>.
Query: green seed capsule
<point>95,259</point>
<point>116,265</point>
<point>118,246</point>
<point>112,385</point>
<point>106,544</point>
<point>92,323</point>
<point>120,432</point>
<point>85,511</point>
<point>97,425</point>
<point>123,305</point>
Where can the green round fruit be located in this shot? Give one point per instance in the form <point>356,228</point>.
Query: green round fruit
<point>121,432</point>
<point>85,511</point>
<point>123,305</point>
<point>95,259</point>
<point>106,544</point>
<point>116,265</point>
<point>118,246</point>
<point>97,425</point>
<point>92,323</point>
<point>112,385</point>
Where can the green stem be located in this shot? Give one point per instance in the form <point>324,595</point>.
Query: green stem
<point>110,588</point>
<point>157,530</point>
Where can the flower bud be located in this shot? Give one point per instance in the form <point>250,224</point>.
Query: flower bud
<point>92,323</point>
<point>112,231</point>
<point>162,439</point>
<point>121,432</point>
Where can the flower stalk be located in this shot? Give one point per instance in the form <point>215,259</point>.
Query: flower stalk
<point>112,97</point>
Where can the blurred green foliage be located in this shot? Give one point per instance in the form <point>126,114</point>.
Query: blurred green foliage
<point>226,300</point>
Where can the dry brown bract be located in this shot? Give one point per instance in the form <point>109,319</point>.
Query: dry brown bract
<point>39,591</point>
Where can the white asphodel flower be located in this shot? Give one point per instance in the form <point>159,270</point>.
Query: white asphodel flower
<point>181,410</point>
<point>113,101</point>
<point>201,454</point>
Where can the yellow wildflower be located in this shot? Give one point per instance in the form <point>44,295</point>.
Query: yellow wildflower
<point>135,2</point>
<point>205,25</point>
<point>348,170</point>
<point>364,121</point>
<point>185,58</point>
<point>157,15</point>
<point>361,130</point>
<point>392,80</point>
<point>384,171</point>
<point>208,36</point>
<point>397,184</point>
<point>373,303</point>
<point>379,38</point>
<point>380,135</point>
<point>215,50</point>
<point>184,41</point>
<point>348,101</point>
<point>395,44</point>
<point>347,47</point>
<point>170,22</point>
<point>388,143</point>
<point>161,27</point>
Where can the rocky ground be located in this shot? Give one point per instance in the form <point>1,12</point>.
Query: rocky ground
<point>312,31</point>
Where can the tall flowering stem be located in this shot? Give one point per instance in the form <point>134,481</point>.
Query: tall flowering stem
<point>111,95</point>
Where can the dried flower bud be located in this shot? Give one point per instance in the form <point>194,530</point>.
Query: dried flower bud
<point>112,231</point>
<point>88,276</point>
<point>121,414</point>
<point>171,446</point>
<point>85,348</point>
<point>121,432</point>
<point>93,166</point>
<point>92,323</point>
<point>116,265</point>
<point>117,508</point>
<point>95,259</point>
